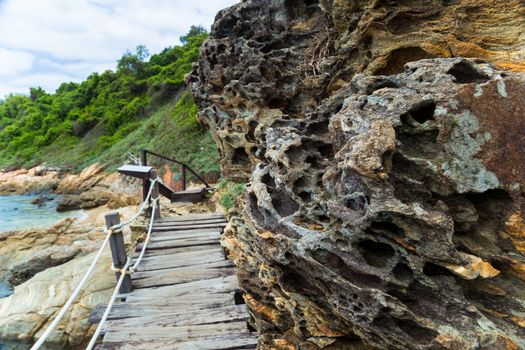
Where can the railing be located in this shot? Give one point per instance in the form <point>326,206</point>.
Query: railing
<point>184,167</point>
<point>121,263</point>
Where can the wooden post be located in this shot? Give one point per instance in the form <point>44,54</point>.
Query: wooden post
<point>145,182</point>
<point>184,178</point>
<point>118,251</point>
<point>143,157</point>
<point>155,193</point>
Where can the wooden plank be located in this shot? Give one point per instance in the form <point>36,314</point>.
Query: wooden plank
<point>233,313</point>
<point>125,310</point>
<point>221,284</point>
<point>174,333</point>
<point>190,217</point>
<point>182,274</point>
<point>168,251</point>
<point>187,227</point>
<point>194,222</point>
<point>170,235</point>
<point>186,242</point>
<point>237,341</point>
<point>187,291</point>
<point>180,260</point>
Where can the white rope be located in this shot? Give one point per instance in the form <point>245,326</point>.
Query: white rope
<point>73,296</point>
<point>108,308</point>
<point>146,241</point>
<point>123,273</point>
<point>89,271</point>
<point>141,209</point>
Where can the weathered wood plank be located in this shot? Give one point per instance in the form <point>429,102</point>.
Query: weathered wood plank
<point>182,274</point>
<point>221,284</point>
<point>190,222</point>
<point>159,265</point>
<point>221,342</point>
<point>170,235</point>
<point>174,333</point>
<point>185,242</point>
<point>125,310</point>
<point>186,227</point>
<point>169,251</point>
<point>190,217</point>
<point>233,313</point>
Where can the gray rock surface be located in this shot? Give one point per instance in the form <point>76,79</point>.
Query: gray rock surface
<point>384,211</point>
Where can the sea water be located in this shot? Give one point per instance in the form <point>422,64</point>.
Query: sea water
<point>17,212</point>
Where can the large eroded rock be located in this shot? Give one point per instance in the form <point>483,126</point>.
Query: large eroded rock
<point>385,211</point>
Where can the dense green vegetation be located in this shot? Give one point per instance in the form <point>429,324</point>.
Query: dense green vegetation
<point>144,103</point>
<point>229,192</point>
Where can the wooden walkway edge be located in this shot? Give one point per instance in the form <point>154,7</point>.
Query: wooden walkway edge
<point>184,295</point>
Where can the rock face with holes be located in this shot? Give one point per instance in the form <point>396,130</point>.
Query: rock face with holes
<point>384,212</point>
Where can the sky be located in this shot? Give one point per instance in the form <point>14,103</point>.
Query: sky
<point>47,42</point>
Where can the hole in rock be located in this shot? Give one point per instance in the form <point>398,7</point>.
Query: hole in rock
<point>375,253</point>
<point>291,280</point>
<point>276,103</point>
<point>465,73</point>
<point>403,272</point>
<point>284,205</point>
<point>399,57</point>
<point>318,128</point>
<point>357,202</point>
<point>415,331</point>
<point>335,263</point>
<point>237,297</point>
<point>254,209</point>
<point>423,112</point>
<point>380,84</point>
<point>324,219</point>
<point>252,125</point>
<point>240,156</point>
<point>430,269</point>
<point>386,226</point>
<point>313,160</point>
<point>386,160</point>
<point>326,151</point>
<point>305,196</point>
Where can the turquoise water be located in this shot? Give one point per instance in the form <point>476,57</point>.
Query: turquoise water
<point>17,212</point>
<point>5,290</point>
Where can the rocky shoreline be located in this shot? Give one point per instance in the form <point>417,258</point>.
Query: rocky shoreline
<point>44,265</point>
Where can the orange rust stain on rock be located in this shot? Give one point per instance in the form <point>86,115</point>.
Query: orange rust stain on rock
<point>267,311</point>
<point>515,228</point>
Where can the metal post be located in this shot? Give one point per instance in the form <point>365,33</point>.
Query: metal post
<point>118,250</point>
<point>155,193</point>
<point>184,178</point>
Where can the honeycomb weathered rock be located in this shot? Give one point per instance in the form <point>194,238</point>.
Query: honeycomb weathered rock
<point>384,211</point>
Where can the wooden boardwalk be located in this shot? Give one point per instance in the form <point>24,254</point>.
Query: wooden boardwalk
<point>185,293</point>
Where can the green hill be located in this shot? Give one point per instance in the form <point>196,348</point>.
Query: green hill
<point>143,103</point>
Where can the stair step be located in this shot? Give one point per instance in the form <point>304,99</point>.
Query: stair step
<point>193,196</point>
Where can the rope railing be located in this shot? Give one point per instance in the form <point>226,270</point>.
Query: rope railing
<point>109,232</point>
<point>123,273</point>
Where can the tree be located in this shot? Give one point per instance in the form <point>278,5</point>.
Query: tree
<point>193,32</point>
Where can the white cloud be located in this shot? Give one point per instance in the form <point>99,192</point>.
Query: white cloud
<point>14,62</point>
<point>74,38</point>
